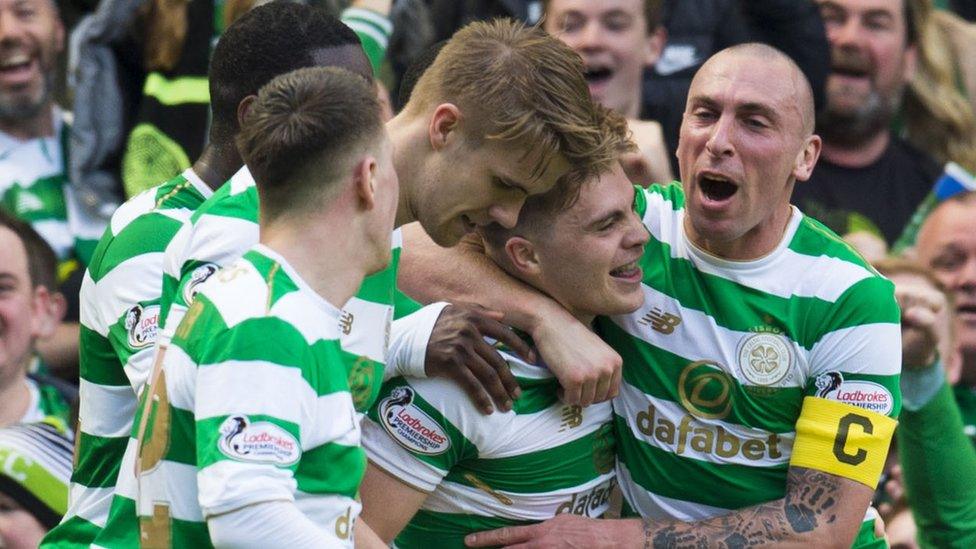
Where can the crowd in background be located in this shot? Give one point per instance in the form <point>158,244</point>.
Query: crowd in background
<point>102,101</point>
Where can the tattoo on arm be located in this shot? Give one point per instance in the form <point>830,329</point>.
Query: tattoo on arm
<point>809,503</point>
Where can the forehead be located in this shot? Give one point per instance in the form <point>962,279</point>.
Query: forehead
<point>590,7</point>
<point>524,165</point>
<point>44,6</point>
<point>13,254</point>
<point>951,223</point>
<point>611,192</point>
<point>731,80</point>
<point>893,7</point>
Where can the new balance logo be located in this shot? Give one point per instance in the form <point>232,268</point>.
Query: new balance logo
<point>572,417</point>
<point>660,321</point>
<point>345,322</point>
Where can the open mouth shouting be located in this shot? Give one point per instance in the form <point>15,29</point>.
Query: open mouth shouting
<point>597,77</point>
<point>717,190</point>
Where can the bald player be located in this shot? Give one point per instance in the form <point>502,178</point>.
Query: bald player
<point>760,376</point>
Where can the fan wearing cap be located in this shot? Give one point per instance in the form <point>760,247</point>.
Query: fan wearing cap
<point>35,463</point>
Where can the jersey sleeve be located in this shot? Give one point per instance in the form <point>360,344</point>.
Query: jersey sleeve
<point>251,402</point>
<point>847,418</point>
<point>216,237</point>
<point>419,429</point>
<point>129,294</point>
<point>857,360</point>
<point>939,465</point>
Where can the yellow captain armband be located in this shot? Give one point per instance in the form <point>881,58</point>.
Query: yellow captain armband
<point>842,439</point>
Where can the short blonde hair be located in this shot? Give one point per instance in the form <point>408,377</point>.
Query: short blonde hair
<point>539,211</point>
<point>513,82</point>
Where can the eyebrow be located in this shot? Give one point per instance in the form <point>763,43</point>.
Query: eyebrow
<point>611,216</point>
<point>511,183</point>
<point>751,107</point>
<point>759,108</point>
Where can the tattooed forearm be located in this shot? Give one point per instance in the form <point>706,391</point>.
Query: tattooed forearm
<point>810,502</point>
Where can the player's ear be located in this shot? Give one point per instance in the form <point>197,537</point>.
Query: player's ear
<point>363,177</point>
<point>443,124</point>
<point>244,108</point>
<point>806,159</point>
<point>522,254</point>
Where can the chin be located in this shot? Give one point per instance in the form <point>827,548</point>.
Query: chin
<point>624,304</point>
<point>446,235</point>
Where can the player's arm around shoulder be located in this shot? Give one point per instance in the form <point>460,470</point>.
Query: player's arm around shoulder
<point>587,368</point>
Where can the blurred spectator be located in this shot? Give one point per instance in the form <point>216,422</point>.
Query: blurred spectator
<point>450,15</point>
<point>36,461</point>
<point>695,30</point>
<point>938,464</point>
<point>947,245</point>
<point>57,342</point>
<point>698,28</point>
<point>413,33</point>
<point>867,179</point>
<point>34,134</point>
<point>148,126</point>
<point>938,115</point>
<point>25,315</point>
<point>618,40</point>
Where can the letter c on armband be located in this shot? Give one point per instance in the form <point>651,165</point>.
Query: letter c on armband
<point>840,442</point>
<point>842,439</point>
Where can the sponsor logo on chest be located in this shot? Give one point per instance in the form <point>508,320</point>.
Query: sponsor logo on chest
<point>592,503</point>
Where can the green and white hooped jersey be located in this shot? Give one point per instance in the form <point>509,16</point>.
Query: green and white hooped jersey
<point>218,233</point>
<point>253,405</point>
<point>226,226</point>
<point>719,359</point>
<point>527,465</point>
<point>119,318</point>
<point>34,187</point>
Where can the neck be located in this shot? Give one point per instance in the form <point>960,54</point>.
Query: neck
<point>858,156</point>
<point>411,148</point>
<point>15,398</point>
<point>756,243</point>
<point>632,109</point>
<point>39,125</point>
<point>312,250</point>
<point>217,163</point>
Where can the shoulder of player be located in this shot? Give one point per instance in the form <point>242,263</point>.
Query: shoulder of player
<point>230,200</point>
<point>256,286</point>
<point>445,403</point>
<point>838,262</point>
<point>658,204</point>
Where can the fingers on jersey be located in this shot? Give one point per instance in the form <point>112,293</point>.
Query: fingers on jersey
<point>457,350</point>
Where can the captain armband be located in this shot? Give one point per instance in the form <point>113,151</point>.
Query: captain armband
<point>842,439</point>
